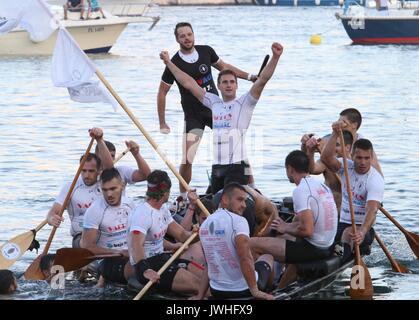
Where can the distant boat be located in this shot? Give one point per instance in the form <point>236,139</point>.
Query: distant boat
<point>299,3</point>
<point>93,35</point>
<point>399,27</point>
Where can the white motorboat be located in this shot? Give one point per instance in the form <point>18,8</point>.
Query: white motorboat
<point>92,35</point>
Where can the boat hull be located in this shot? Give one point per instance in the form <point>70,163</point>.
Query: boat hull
<point>97,37</point>
<point>382,30</point>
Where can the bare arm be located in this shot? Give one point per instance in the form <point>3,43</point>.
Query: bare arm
<point>328,156</point>
<point>177,232</point>
<point>267,72</point>
<point>53,218</point>
<point>136,250</point>
<point>161,106</point>
<point>221,65</point>
<point>247,266</point>
<point>104,154</point>
<point>302,226</point>
<point>89,239</point>
<point>184,79</point>
<point>143,170</point>
<point>187,219</point>
<point>376,164</point>
<point>370,214</point>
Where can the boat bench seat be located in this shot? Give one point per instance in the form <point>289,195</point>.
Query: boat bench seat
<point>320,268</point>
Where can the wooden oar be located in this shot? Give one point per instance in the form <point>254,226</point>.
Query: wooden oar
<point>34,272</point>
<point>75,258</point>
<point>412,238</point>
<point>365,289</point>
<point>397,267</point>
<point>166,265</point>
<point>121,155</point>
<point>264,63</point>
<point>12,250</point>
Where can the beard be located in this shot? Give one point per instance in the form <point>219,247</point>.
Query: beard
<point>188,47</point>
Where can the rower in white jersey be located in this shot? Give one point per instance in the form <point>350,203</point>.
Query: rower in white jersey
<point>148,224</point>
<point>311,235</point>
<point>231,118</point>
<point>105,225</point>
<point>86,191</point>
<point>128,174</point>
<point>367,188</point>
<point>231,272</point>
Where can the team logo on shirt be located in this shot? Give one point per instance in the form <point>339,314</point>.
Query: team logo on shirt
<point>203,68</point>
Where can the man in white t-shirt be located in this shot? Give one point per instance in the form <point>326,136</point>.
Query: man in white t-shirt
<point>231,117</point>
<point>147,225</point>
<point>86,191</point>
<point>128,174</point>
<point>311,235</point>
<point>367,191</point>
<point>105,225</point>
<point>230,270</point>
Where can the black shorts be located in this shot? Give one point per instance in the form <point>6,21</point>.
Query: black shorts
<point>263,270</point>
<point>223,174</point>
<point>301,250</point>
<point>166,279</point>
<point>112,269</point>
<point>198,121</point>
<point>364,248</point>
<point>76,241</point>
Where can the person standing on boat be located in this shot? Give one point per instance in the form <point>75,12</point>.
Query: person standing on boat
<point>86,191</point>
<point>129,175</point>
<point>196,61</point>
<point>105,226</point>
<point>148,224</point>
<point>311,235</point>
<point>231,272</point>
<point>231,117</point>
<point>74,6</point>
<point>367,187</point>
<point>93,7</point>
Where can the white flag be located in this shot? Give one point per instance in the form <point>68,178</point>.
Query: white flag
<point>71,68</point>
<point>92,91</point>
<point>32,15</point>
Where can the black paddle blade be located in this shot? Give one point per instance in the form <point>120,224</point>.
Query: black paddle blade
<point>264,63</point>
<point>34,246</point>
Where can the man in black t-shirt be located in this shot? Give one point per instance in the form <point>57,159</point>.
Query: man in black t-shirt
<point>195,61</point>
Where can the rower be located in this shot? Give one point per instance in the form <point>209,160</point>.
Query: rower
<point>367,188</point>
<point>318,167</point>
<point>311,235</point>
<point>128,174</point>
<point>148,225</point>
<point>8,282</point>
<point>86,191</point>
<point>231,272</point>
<point>105,227</point>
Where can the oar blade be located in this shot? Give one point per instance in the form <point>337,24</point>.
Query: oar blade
<point>361,287</point>
<point>72,258</point>
<point>34,270</point>
<point>413,243</point>
<point>12,250</point>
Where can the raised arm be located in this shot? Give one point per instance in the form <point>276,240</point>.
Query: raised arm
<point>104,154</point>
<point>184,79</point>
<point>143,170</point>
<point>267,72</point>
<point>328,156</point>
<point>315,167</point>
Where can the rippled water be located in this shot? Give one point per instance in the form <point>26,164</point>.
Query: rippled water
<point>42,132</point>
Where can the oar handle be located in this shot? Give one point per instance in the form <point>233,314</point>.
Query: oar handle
<point>393,262</point>
<point>69,193</point>
<point>121,155</point>
<point>149,138</point>
<point>166,265</point>
<point>349,192</point>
